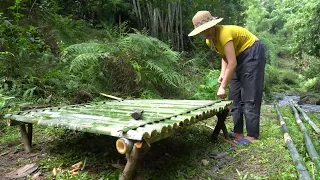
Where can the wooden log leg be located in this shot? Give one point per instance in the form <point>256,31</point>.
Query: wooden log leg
<point>134,160</point>
<point>221,125</point>
<point>24,137</point>
<point>30,134</point>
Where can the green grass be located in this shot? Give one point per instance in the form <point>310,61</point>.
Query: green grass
<point>177,157</point>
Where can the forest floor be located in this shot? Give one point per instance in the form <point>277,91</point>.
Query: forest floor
<point>188,155</point>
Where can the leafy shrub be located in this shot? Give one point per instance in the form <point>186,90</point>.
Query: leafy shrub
<point>314,68</point>
<point>270,48</point>
<point>279,80</point>
<point>208,90</point>
<point>20,48</point>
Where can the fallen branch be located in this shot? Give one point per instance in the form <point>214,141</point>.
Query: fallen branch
<point>310,148</point>
<point>4,153</point>
<point>301,169</point>
<point>312,124</point>
<point>22,172</point>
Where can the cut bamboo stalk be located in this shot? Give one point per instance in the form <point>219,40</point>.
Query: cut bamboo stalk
<point>301,169</point>
<point>24,137</point>
<point>305,116</point>
<point>21,118</point>
<point>124,145</point>
<point>14,123</point>
<point>308,143</point>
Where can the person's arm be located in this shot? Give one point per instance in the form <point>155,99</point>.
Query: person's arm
<point>223,68</point>
<point>230,68</point>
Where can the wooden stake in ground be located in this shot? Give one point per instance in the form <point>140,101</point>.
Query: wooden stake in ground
<point>312,124</point>
<point>26,136</point>
<point>301,169</point>
<point>310,148</point>
<point>221,125</point>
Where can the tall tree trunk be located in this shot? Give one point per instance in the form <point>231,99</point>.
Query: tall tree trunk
<point>181,31</point>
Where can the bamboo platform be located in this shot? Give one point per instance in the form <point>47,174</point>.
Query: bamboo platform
<point>137,123</point>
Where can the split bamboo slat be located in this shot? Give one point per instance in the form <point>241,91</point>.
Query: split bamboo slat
<point>160,118</point>
<point>301,169</point>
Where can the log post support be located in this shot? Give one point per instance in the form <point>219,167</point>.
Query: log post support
<point>134,158</point>
<point>222,115</point>
<point>26,136</point>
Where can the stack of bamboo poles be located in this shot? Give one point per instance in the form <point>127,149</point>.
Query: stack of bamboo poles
<point>301,169</point>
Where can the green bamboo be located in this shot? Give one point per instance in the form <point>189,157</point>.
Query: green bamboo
<point>310,148</point>
<point>21,118</point>
<point>305,116</point>
<point>151,121</point>
<point>301,169</point>
<point>111,118</point>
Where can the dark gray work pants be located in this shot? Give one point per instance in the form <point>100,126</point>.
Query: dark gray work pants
<point>246,88</point>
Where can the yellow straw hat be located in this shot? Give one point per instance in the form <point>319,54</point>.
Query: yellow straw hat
<point>203,21</point>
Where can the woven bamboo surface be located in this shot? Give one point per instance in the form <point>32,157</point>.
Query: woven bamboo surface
<point>160,118</point>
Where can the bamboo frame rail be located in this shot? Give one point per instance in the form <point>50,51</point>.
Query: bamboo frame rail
<point>159,119</point>
<point>301,169</point>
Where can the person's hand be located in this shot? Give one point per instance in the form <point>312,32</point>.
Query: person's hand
<point>221,93</point>
<point>220,79</point>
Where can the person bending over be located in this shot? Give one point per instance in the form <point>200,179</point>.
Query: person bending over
<point>242,68</point>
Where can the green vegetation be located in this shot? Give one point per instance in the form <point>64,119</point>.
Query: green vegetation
<point>67,52</point>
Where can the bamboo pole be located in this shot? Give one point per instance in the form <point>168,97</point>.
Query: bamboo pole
<point>14,123</point>
<point>305,116</point>
<point>301,169</point>
<point>177,36</point>
<point>308,143</point>
<point>124,145</point>
<point>139,12</point>
<point>22,118</point>
<point>181,28</point>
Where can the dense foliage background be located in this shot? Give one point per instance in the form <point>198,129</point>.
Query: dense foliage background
<point>59,52</point>
<point>66,52</point>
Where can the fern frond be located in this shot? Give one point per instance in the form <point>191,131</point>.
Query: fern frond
<point>83,48</point>
<point>6,55</point>
<point>167,77</point>
<point>146,46</point>
<point>87,60</point>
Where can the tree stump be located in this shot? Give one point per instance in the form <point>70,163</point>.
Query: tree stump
<point>132,169</point>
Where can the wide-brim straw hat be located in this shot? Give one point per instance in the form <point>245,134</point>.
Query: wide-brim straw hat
<point>203,21</point>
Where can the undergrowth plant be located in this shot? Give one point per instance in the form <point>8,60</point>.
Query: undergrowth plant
<point>208,89</point>
<point>133,64</point>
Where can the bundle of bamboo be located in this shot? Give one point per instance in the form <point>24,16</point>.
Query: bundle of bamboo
<point>307,140</point>
<point>301,169</point>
